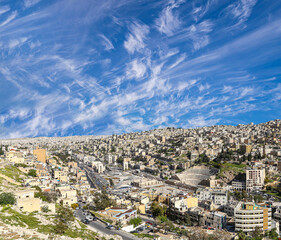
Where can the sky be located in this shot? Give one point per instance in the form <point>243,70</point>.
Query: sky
<point>98,67</point>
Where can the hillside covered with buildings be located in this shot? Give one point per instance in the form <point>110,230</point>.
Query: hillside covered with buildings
<point>218,182</point>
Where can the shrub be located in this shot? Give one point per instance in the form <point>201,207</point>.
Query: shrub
<point>7,198</point>
<point>74,205</point>
<point>45,209</point>
<point>32,173</point>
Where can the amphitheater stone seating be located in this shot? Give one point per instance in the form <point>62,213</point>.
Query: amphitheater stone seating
<point>193,176</point>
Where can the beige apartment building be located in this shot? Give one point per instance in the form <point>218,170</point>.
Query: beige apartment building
<point>26,201</point>
<point>40,154</point>
<point>255,179</point>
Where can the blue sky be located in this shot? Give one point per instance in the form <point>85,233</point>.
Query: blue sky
<point>72,67</point>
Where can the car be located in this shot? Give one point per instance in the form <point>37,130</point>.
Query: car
<point>140,228</point>
<point>89,217</point>
<point>86,221</point>
<point>109,226</point>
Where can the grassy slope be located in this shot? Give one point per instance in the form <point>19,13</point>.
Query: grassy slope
<point>12,172</point>
<point>30,221</point>
<point>236,168</point>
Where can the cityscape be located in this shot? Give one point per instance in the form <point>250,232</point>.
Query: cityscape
<point>218,182</point>
<point>140,119</point>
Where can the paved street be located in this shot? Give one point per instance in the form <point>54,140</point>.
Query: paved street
<point>101,227</point>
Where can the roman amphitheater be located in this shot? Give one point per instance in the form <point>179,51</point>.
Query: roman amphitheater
<point>195,175</point>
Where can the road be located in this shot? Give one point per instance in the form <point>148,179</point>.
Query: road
<point>101,227</point>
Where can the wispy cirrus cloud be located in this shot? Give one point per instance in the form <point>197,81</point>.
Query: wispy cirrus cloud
<point>168,21</point>
<point>30,3</point>
<point>4,9</point>
<point>241,10</point>
<point>119,66</point>
<point>107,44</point>
<point>136,38</point>
<point>10,18</point>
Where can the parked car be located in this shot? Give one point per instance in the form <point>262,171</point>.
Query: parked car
<point>109,226</point>
<point>86,221</point>
<point>89,217</point>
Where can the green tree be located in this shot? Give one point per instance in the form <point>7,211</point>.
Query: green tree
<point>187,219</point>
<point>45,209</point>
<point>257,234</point>
<point>111,182</point>
<point>244,194</point>
<point>1,151</point>
<point>273,234</point>
<point>158,210</point>
<point>241,235</point>
<point>113,149</point>
<point>7,198</point>
<point>32,173</point>
<point>64,217</point>
<point>135,221</point>
<point>120,160</point>
<point>102,201</point>
<point>258,198</point>
<point>162,219</point>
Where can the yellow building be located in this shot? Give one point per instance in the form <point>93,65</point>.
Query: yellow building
<point>40,154</point>
<point>192,202</point>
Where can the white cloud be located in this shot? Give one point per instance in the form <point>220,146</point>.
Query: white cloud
<point>168,21</point>
<point>136,37</point>
<point>201,121</point>
<point>186,85</point>
<point>14,114</point>
<point>17,42</point>
<point>179,60</point>
<point>136,69</point>
<point>227,89</point>
<point>241,10</point>
<point>4,9</point>
<point>199,34</point>
<point>30,3</point>
<point>106,43</point>
<point>246,91</point>
<point>35,44</point>
<point>203,87</point>
<point>9,19</point>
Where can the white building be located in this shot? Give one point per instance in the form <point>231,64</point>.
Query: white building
<point>248,216</point>
<point>218,196</point>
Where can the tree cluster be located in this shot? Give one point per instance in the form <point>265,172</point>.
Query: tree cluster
<point>102,201</point>
<point>135,221</point>
<point>158,210</point>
